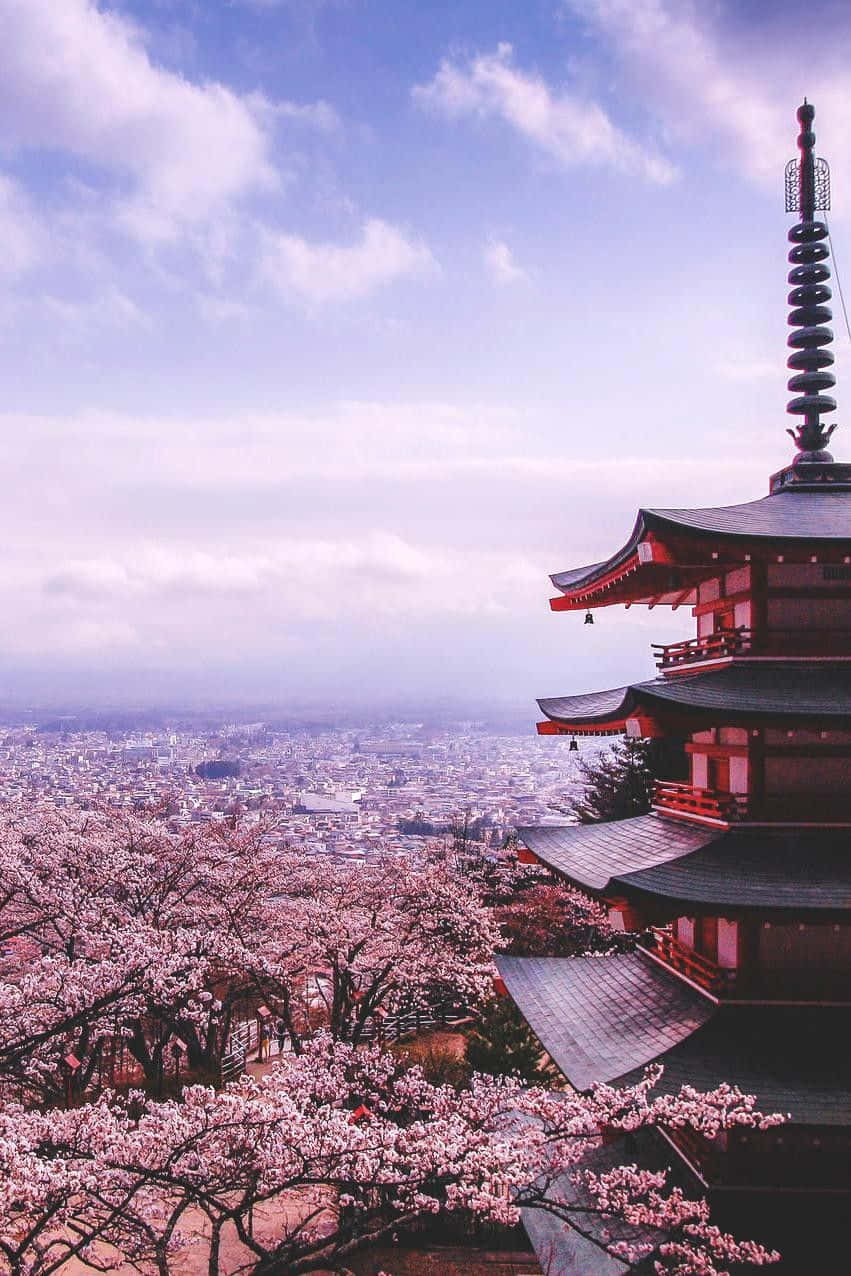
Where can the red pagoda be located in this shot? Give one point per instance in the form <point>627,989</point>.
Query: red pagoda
<point>741,877</point>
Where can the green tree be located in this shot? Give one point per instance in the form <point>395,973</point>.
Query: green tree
<point>618,784</point>
<point>503,1044</point>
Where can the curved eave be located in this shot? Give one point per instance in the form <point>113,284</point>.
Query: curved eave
<point>792,1059</point>
<point>665,539</point>
<point>804,873</point>
<point>772,694</point>
<point>598,1017</point>
<point>594,708</point>
<point>592,855</point>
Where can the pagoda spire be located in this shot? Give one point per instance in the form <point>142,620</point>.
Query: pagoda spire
<point>808,191</point>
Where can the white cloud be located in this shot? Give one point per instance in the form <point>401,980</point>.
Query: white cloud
<point>500,263</point>
<point>154,569</point>
<point>319,115</point>
<point>320,272</point>
<point>569,130</point>
<point>682,59</point>
<point>78,78</point>
<point>691,65</point>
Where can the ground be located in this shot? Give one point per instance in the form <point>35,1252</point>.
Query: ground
<point>445,1261</point>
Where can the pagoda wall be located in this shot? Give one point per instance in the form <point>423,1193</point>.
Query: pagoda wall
<point>723,593</point>
<point>772,960</point>
<point>801,775</point>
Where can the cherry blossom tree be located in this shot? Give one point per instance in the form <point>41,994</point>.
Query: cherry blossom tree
<point>115,929</point>
<point>340,1146</point>
<point>555,920</point>
<point>354,941</point>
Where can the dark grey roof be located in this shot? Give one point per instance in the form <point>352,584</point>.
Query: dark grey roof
<point>745,867</point>
<point>791,515</point>
<point>606,1018</point>
<point>777,688</point>
<point>578,574</point>
<point>561,1250</point>
<point>592,854</point>
<point>754,869</point>
<point>591,706</point>
<point>794,1060</point>
<point>598,1017</point>
<point>787,515</point>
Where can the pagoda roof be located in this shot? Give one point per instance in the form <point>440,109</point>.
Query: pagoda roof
<point>591,855</point>
<point>805,870</point>
<point>599,1017</point>
<point>561,1249</point>
<point>603,1019</point>
<point>793,1059</point>
<point>777,689</point>
<point>683,538</point>
<point>756,868</point>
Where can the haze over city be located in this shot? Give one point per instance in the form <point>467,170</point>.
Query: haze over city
<point>302,399</point>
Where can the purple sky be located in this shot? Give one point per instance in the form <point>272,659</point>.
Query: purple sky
<point>328,329</point>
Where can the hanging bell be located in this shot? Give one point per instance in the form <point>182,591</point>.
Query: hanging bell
<point>589,619</point>
<point>573,747</point>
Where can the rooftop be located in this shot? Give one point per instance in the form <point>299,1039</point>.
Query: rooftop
<point>694,542</point>
<point>806,870</point>
<point>779,689</point>
<point>599,1017</point>
<point>603,1019</point>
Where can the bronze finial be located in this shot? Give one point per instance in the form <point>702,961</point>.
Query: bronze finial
<point>807,191</point>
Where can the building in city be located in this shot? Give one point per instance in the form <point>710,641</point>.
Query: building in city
<point>740,877</point>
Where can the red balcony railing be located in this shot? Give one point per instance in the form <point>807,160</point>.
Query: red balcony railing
<point>686,799</point>
<point>726,642</point>
<point>745,642</point>
<point>699,969</point>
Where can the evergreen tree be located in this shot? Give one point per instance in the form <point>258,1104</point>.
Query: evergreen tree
<point>618,784</point>
<point>503,1044</point>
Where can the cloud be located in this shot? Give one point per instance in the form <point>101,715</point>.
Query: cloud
<point>76,78</point>
<point>683,60</point>
<point>500,263</point>
<point>698,69</point>
<point>160,569</point>
<point>568,129</point>
<point>321,272</point>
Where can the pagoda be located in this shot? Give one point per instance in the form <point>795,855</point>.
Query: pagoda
<point>740,878</point>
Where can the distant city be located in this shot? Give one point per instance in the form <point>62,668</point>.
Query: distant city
<point>349,793</point>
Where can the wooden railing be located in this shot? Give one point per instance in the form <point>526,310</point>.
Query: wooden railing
<point>726,642</point>
<point>686,799</point>
<point>745,642</point>
<point>699,969</point>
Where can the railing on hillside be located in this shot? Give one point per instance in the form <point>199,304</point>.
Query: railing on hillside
<point>243,1039</point>
<point>243,1043</point>
<point>390,1028</point>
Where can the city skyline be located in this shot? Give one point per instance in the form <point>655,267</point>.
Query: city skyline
<point>302,399</point>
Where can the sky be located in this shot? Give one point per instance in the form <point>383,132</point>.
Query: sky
<point>330,328</point>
